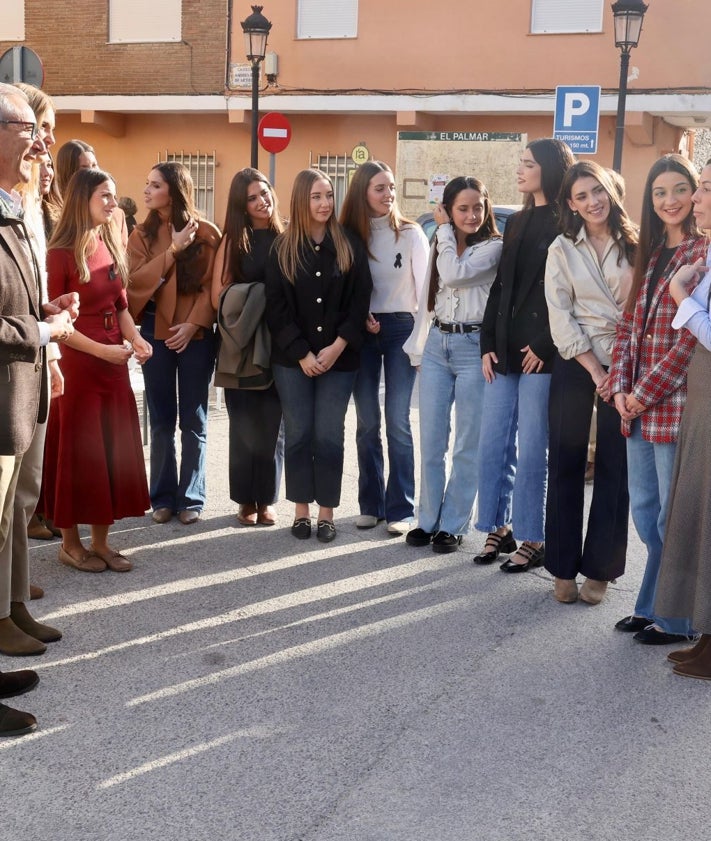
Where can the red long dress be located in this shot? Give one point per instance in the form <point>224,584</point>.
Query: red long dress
<point>94,470</point>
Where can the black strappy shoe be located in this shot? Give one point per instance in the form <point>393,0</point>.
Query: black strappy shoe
<point>534,558</point>
<point>503,544</point>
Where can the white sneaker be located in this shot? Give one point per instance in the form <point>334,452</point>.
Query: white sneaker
<point>366,521</point>
<point>399,527</point>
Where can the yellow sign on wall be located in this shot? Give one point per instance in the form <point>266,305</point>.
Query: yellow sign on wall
<point>360,154</point>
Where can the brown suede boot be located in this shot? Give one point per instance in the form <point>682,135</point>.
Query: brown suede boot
<point>682,655</point>
<point>699,666</point>
<point>21,617</point>
<point>37,530</point>
<point>16,722</point>
<point>16,643</point>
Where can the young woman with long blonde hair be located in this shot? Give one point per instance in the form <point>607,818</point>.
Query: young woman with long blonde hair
<point>318,293</point>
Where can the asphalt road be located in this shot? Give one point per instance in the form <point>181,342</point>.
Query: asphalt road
<point>242,685</point>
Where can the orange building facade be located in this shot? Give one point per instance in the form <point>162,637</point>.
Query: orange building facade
<point>357,78</point>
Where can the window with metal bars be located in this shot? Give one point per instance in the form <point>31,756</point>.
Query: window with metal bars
<point>201,167</point>
<point>340,169</point>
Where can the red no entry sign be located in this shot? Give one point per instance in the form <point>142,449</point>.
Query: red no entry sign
<point>274,132</point>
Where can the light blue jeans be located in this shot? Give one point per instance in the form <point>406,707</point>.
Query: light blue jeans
<point>450,374</point>
<point>649,474</point>
<point>513,455</point>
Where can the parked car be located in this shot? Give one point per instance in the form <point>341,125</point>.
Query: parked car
<point>501,212</point>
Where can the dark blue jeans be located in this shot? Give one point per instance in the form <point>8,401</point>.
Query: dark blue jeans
<point>314,411</point>
<point>191,370</point>
<point>383,352</point>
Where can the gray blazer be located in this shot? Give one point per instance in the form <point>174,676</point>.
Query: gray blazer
<point>243,360</point>
<point>24,397</point>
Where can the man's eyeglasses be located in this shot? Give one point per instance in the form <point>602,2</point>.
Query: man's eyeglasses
<point>31,128</point>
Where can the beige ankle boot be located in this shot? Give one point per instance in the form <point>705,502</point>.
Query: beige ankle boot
<point>592,591</point>
<point>565,590</point>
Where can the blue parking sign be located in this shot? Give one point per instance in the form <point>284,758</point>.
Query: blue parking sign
<point>577,117</point>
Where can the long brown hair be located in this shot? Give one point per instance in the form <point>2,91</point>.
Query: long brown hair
<point>355,213</point>
<point>76,230</point>
<point>652,231</point>
<point>292,244</point>
<point>236,235</point>
<point>188,266</point>
<point>487,230</point>
<point>67,162</point>
<point>621,227</point>
<point>52,202</point>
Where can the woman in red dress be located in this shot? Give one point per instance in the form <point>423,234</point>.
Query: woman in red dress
<point>98,475</point>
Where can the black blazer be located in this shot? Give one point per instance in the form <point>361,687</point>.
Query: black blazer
<point>320,305</point>
<point>520,316</point>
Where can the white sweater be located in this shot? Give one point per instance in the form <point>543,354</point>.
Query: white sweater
<point>398,266</point>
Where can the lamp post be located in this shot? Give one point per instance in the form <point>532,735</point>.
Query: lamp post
<point>256,31</point>
<point>628,15</point>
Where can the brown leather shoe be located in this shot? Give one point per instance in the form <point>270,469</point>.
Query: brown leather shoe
<point>247,514</point>
<point>88,562</point>
<point>15,722</point>
<point>115,561</point>
<point>37,530</point>
<point>21,617</point>
<point>16,643</point>
<point>189,517</point>
<point>681,655</point>
<point>36,592</point>
<point>266,516</point>
<point>50,525</point>
<point>162,515</point>
<point>698,666</point>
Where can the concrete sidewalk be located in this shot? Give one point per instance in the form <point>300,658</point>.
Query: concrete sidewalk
<point>242,685</point>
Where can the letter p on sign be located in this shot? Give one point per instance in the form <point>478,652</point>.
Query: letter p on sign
<point>575,105</point>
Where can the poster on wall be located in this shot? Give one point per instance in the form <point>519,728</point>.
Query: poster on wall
<point>437,185</point>
<point>422,156</point>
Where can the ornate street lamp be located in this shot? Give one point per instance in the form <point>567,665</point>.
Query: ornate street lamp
<point>628,15</point>
<point>256,31</point>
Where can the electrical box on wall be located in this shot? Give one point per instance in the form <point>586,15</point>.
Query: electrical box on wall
<point>271,65</point>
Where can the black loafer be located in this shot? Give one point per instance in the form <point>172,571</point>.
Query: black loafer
<point>632,624</point>
<point>418,537</point>
<point>444,542</point>
<point>325,531</point>
<point>505,544</point>
<point>302,528</point>
<point>652,636</point>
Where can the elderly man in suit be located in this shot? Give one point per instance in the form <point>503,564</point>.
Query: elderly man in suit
<point>26,327</point>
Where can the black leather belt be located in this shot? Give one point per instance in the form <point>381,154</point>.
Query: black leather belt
<point>457,326</point>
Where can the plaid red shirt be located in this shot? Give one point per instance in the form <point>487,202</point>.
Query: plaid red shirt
<point>650,360</point>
